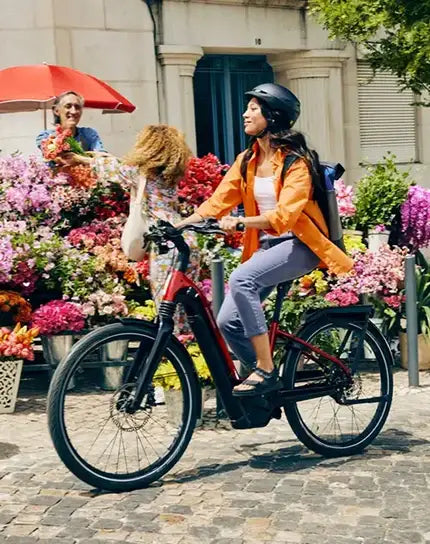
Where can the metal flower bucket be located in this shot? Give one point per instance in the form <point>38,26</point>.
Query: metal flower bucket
<point>114,355</point>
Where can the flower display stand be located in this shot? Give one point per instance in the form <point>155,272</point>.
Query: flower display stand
<point>10,374</point>
<point>423,351</point>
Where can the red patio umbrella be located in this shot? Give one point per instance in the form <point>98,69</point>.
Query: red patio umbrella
<point>33,87</point>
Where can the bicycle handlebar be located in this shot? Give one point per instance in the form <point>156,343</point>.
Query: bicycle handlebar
<point>163,232</point>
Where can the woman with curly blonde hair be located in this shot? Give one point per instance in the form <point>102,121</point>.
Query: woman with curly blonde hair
<point>158,159</point>
<point>160,150</point>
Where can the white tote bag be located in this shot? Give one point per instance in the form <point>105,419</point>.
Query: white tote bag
<point>136,225</point>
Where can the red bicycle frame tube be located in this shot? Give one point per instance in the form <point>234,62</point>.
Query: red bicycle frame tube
<point>178,281</point>
<point>275,331</point>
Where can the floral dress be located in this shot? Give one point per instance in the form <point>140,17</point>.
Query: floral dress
<point>161,203</point>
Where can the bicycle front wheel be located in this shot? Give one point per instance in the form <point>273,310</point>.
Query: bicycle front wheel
<point>347,420</point>
<point>96,437</point>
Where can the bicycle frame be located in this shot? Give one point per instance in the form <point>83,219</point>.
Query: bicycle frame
<point>244,412</point>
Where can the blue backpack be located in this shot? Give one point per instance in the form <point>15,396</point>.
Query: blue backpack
<point>329,173</point>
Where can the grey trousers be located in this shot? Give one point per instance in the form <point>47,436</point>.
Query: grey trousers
<point>241,315</point>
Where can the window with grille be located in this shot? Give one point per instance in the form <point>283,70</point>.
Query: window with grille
<point>387,116</point>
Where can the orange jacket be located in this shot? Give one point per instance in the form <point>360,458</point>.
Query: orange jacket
<point>295,210</point>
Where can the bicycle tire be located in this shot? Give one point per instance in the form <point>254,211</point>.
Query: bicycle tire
<point>67,451</point>
<point>309,438</point>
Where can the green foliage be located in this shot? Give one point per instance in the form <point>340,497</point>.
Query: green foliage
<point>396,34</point>
<point>380,193</point>
<point>294,309</point>
<point>423,299</point>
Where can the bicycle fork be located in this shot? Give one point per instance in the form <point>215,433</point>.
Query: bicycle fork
<point>146,372</point>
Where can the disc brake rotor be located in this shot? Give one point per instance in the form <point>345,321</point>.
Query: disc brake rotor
<point>122,419</point>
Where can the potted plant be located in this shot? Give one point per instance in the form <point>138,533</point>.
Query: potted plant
<point>15,345</point>
<point>101,308</point>
<point>423,310</point>
<point>58,322</point>
<point>376,275</point>
<point>378,197</point>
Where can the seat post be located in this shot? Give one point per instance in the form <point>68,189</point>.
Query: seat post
<point>281,291</point>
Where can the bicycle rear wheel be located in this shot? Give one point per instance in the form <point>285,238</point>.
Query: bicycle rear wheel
<point>346,421</point>
<point>95,436</point>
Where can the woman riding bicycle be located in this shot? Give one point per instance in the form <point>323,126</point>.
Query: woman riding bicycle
<point>286,234</point>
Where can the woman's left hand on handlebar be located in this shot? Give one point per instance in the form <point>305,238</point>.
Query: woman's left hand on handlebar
<point>229,223</point>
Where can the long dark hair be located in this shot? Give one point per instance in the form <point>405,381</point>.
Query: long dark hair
<point>292,142</point>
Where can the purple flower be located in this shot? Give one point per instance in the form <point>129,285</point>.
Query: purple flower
<point>6,258</point>
<point>415,217</point>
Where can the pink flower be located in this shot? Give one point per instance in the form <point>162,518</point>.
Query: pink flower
<point>379,228</point>
<point>379,274</point>
<point>344,197</point>
<point>58,316</point>
<point>394,301</point>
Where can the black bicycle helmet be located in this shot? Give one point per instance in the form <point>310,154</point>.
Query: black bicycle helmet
<point>278,98</point>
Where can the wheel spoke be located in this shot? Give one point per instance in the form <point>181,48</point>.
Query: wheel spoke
<point>331,425</point>
<point>110,442</point>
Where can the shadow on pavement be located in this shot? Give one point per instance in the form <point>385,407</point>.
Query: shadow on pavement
<point>8,450</point>
<point>295,458</point>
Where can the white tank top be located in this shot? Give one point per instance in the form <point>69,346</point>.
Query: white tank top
<point>264,193</point>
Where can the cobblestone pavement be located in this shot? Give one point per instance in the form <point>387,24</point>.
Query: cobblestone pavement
<point>231,487</point>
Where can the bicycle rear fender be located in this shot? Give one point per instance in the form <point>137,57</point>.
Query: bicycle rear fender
<point>355,313</point>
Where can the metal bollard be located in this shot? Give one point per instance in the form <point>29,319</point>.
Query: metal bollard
<point>217,277</point>
<point>411,320</point>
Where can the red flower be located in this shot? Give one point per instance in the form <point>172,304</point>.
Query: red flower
<point>142,267</point>
<point>202,177</point>
<point>234,240</point>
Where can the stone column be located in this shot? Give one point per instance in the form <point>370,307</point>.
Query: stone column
<point>178,64</point>
<point>316,78</point>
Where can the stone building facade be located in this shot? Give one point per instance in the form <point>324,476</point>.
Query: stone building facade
<point>187,63</point>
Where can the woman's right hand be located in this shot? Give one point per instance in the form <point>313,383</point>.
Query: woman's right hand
<point>71,159</point>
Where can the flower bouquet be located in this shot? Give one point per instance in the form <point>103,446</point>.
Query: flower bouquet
<point>379,276</point>
<point>57,321</point>
<point>146,311</point>
<point>167,377</point>
<point>56,146</point>
<point>59,143</point>
<point>58,316</point>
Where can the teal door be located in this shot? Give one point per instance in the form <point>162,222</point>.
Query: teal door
<point>219,85</point>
